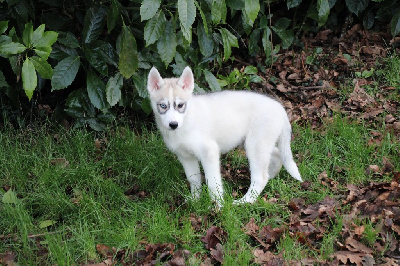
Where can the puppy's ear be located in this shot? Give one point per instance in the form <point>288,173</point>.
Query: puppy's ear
<point>186,81</point>
<point>154,81</point>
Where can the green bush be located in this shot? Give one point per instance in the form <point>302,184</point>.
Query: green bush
<point>104,49</point>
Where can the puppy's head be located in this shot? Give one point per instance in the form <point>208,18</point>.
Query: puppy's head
<point>169,97</point>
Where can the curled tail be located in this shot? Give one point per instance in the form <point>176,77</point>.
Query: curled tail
<point>286,152</point>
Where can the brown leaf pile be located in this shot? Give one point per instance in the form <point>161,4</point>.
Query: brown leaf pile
<point>156,254</point>
<point>378,203</point>
<point>313,91</point>
<point>213,241</point>
<point>152,254</point>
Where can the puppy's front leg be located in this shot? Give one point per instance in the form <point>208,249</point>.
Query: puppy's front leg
<point>211,167</point>
<point>192,170</point>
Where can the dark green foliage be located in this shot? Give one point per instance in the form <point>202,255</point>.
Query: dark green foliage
<point>95,55</point>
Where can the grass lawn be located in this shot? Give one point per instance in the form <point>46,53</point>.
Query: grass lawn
<point>68,194</point>
<point>73,197</point>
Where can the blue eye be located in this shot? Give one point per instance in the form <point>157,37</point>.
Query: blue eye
<point>163,105</point>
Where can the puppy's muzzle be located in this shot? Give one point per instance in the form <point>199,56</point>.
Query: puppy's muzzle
<point>173,125</point>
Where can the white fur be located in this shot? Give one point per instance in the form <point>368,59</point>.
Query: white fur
<point>216,123</point>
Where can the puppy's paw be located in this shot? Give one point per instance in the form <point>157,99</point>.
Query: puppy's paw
<point>245,199</point>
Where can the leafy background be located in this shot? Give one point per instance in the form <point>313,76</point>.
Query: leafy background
<point>87,61</point>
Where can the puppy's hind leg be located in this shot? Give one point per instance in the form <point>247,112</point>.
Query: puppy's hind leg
<point>275,164</point>
<point>259,158</point>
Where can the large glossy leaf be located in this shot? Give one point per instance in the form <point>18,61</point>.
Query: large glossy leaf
<point>266,42</point>
<point>68,39</point>
<point>96,91</point>
<point>108,52</point>
<point>113,89</point>
<point>46,40</point>
<point>166,45</point>
<point>65,72</point>
<point>107,117</point>
<point>79,101</point>
<point>187,15</point>
<point>146,106</point>
<point>368,19</point>
<point>60,52</point>
<point>3,82</point>
<point>203,16</point>
<point>75,112</point>
<point>154,28</point>
<point>395,24</point>
<point>38,33</point>
<point>43,52</point>
<point>3,26</point>
<point>251,9</point>
<point>149,8</point>
<point>254,47</point>
<point>42,67</point>
<point>357,6</point>
<point>323,11</point>
<point>95,124</point>
<point>218,11</point>
<point>27,34</point>
<point>128,56</point>
<point>287,36</point>
<point>24,8</point>
<point>235,4</point>
<point>73,99</point>
<point>87,104</point>
<point>113,14</point>
<point>229,40</point>
<point>12,48</point>
<point>212,81</point>
<point>280,28</point>
<point>293,3</point>
<point>93,24</point>
<point>5,39</point>
<point>282,23</point>
<point>96,58</point>
<point>140,85</point>
<point>206,43</point>
<point>29,78</point>
<point>15,65</point>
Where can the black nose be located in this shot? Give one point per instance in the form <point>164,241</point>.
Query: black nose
<point>173,125</point>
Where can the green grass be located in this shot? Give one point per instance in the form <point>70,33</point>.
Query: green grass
<point>86,202</point>
<point>391,71</point>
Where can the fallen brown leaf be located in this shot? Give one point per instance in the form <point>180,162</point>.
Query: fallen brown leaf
<point>267,258</point>
<point>355,246</point>
<point>61,162</point>
<point>359,98</point>
<point>214,236</point>
<point>325,208</point>
<point>218,253</point>
<point>7,258</point>
<point>359,230</point>
<point>353,257</point>
<point>105,251</point>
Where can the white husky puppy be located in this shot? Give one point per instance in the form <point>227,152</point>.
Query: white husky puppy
<point>201,127</point>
